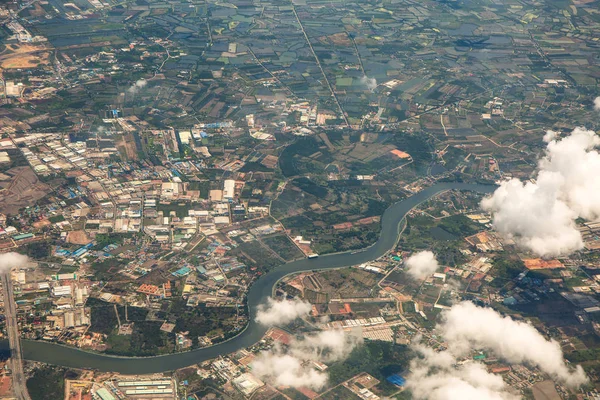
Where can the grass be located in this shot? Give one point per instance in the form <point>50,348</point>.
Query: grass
<point>283,246</point>
<point>47,383</point>
<point>181,210</point>
<point>56,218</point>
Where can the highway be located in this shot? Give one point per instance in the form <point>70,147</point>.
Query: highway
<point>16,361</point>
<point>310,46</point>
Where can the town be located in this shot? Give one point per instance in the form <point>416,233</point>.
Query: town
<point>158,159</point>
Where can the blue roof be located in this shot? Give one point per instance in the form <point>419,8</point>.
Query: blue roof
<point>80,252</point>
<point>23,236</point>
<point>396,379</point>
<point>182,271</point>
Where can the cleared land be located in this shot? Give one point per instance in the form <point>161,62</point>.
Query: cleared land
<point>23,56</point>
<point>78,237</point>
<point>545,391</point>
<point>21,190</point>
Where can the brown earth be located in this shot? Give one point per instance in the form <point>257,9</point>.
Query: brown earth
<point>78,237</point>
<point>42,223</point>
<point>23,56</point>
<point>21,190</point>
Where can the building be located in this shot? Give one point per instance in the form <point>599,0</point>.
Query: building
<point>396,379</point>
<point>247,383</point>
<point>151,290</point>
<point>14,89</point>
<point>65,277</point>
<point>104,394</point>
<point>228,189</point>
<point>61,291</point>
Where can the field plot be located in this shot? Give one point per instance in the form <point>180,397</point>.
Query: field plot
<point>22,189</point>
<point>283,246</point>
<point>127,147</point>
<point>23,56</point>
<point>78,237</point>
<point>343,283</point>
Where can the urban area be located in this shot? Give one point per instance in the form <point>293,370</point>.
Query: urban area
<point>300,199</point>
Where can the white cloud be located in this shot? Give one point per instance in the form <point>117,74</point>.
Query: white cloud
<point>550,135</point>
<point>12,260</point>
<point>286,370</point>
<point>281,312</point>
<point>139,84</point>
<point>577,161</point>
<point>597,103</point>
<point>466,326</point>
<point>435,376</point>
<point>421,265</point>
<point>533,215</point>
<point>540,215</point>
<point>327,346</point>
<point>370,83</point>
<point>292,366</point>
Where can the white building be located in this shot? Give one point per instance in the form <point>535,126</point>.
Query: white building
<point>229,189</point>
<point>61,290</point>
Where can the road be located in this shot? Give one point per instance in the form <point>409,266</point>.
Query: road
<point>442,122</point>
<point>283,85</point>
<point>10,309</point>
<point>544,57</point>
<point>310,46</point>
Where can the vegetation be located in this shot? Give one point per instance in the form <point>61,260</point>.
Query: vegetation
<point>356,238</point>
<point>506,267</point>
<point>302,147</point>
<point>38,250</point>
<point>104,239</point>
<point>181,210</point>
<point>201,320</point>
<point>340,392</point>
<point>47,383</point>
<point>259,256</point>
<point>380,359</point>
<point>104,319</point>
<point>56,218</point>
<point>459,225</point>
<point>311,187</point>
<point>425,233</point>
<point>415,145</point>
<point>579,356</point>
<point>202,186</point>
<point>105,269</point>
<point>284,247</point>
<point>146,339</point>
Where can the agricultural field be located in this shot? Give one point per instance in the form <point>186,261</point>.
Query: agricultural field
<point>15,56</point>
<point>20,188</point>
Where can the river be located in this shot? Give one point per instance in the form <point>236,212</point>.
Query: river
<point>56,354</point>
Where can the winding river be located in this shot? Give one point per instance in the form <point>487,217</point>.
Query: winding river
<point>263,287</point>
